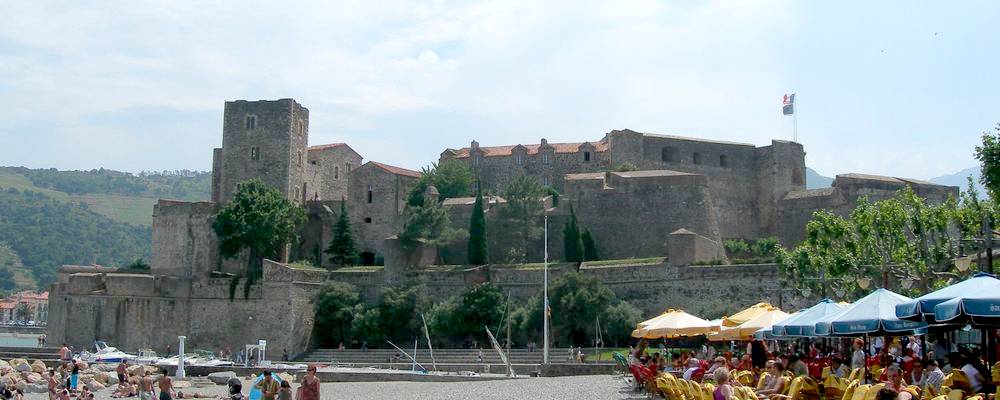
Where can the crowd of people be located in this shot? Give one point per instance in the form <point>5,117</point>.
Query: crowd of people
<point>900,363</point>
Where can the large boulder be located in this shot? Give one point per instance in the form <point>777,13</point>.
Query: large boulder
<point>4,365</point>
<point>83,365</point>
<point>106,367</point>
<point>101,377</point>
<point>221,378</point>
<point>36,388</point>
<point>112,380</point>
<point>95,386</point>
<point>135,370</point>
<point>20,365</point>
<point>39,367</point>
<point>33,377</point>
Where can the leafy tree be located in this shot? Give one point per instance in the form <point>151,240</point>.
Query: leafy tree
<point>428,224</point>
<point>519,219</point>
<point>589,246</point>
<point>478,250</point>
<point>618,322</point>
<point>572,242</point>
<point>451,178</point>
<point>7,279</point>
<point>342,250</point>
<point>902,239</point>
<point>260,220</point>
<point>335,313</point>
<point>138,265</point>
<point>577,300</point>
<point>399,309</point>
<point>988,154</point>
<point>463,316</point>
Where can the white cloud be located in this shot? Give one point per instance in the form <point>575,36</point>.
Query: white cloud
<point>446,72</point>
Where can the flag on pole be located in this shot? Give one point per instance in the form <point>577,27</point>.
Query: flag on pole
<point>788,104</point>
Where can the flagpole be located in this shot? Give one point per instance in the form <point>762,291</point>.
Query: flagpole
<point>545,310</point>
<point>795,121</point>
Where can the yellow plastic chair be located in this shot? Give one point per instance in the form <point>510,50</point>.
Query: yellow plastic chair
<point>792,390</point>
<point>708,391</point>
<point>995,371</point>
<point>746,392</point>
<point>955,394</point>
<point>861,392</point>
<point>976,397</point>
<point>763,380</point>
<point>941,397</point>
<point>848,391</point>
<point>855,374</point>
<point>873,391</point>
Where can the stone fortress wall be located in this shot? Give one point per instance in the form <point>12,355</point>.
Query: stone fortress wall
<point>687,197</point>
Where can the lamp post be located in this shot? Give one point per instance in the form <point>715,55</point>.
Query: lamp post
<point>545,283</point>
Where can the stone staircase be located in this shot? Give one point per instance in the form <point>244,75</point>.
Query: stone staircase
<point>48,355</point>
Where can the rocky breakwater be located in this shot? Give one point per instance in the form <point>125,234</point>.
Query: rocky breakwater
<point>32,377</point>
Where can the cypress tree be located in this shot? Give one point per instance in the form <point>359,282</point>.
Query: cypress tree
<point>342,250</point>
<point>589,246</point>
<point>572,245</point>
<point>478,251</point>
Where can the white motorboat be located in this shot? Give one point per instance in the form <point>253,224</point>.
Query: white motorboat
<point>106,354</point>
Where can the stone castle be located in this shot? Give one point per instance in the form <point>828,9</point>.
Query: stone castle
<point>680,198</point>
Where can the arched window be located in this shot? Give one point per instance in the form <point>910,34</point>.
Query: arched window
<point>370,193</point>
<point>723,161</point>
<point>668,154</point>
<point>696,158</point>
<point>336,172</point>
<point>251,122</point>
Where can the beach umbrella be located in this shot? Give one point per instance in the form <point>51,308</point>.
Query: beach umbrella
<point>763,320</point>
<point>745,315</point>
<point>803,323</point>
<point>980,307</point>
<point>673,323</point>
<point>874,314</point>
<point>255,394</point>
<point>923,308</point>
<point>772,332</point>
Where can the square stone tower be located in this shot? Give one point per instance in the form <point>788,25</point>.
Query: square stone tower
<point>266,140</point>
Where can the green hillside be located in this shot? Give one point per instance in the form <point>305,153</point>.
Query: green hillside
<point>10,261</point>
<point>117,195</point>
<point>47,233</point>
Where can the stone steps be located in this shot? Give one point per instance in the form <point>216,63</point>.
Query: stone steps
<point>441,356</point>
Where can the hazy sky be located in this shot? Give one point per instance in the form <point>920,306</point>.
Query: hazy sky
<point>897,88</point>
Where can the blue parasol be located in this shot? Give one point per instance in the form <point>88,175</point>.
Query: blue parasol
<point>255,394</point>
<point>980,306</point>
<point>803,323</point>
<point>874,314</point>
<point>923,308</point>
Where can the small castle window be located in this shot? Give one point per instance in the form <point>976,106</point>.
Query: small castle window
<point>300,158</point>
<point>347,167</point>
<point>586,156</point>
<point>251,122</point>
<point>723,161</point>
<point>545,158</point>
<point>696,158</point>
<point>368,220</point>
<point>369,193</point>
<point>668,154</point>
<point>336,172</point>
<point>475,160</point>
<point>519,158</point>
<point>254,153</point>
<point>545,181</point>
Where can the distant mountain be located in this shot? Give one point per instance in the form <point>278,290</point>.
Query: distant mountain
<point>960,179</point>
<point>816,181</point>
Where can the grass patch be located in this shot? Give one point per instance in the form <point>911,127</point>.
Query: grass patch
<point>131,210</point>
<point>11,179</point>
<point>303,266</point>
<point>626,261</point>
<point>361,268</point>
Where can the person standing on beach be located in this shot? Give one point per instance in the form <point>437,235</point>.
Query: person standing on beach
<point>309,389</point>
<point>122,370</point>
<point>268,387</point>
<point>166,388</point>
<point>65,354</point>
<point>53,384</point>
<point>145,386</point>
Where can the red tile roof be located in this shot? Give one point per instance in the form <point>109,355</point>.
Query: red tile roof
<point>496,151</point>
<point>396,170</point>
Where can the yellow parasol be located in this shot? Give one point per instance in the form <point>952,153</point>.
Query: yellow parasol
<point>769,317</point>
<point>745,315</point>
<point>672,323</point>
